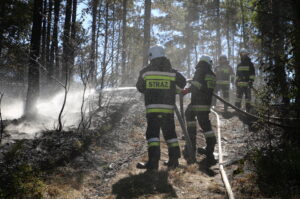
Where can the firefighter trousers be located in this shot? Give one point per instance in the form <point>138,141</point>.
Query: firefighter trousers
<point>204,122</point>
<point>225,93</point>
<point>165,122</point>
<point>240,92</point>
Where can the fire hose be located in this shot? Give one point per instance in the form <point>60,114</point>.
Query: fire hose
<point>249,114</point>
<point>189,144</point>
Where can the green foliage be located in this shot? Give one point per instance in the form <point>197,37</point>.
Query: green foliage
<point>279,171</point>
<point>20,182</point>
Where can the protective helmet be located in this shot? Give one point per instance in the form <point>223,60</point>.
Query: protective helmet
<point>206,59</point>
<point>156,51</point>
<point>243,52</point>
<point>222,58</point>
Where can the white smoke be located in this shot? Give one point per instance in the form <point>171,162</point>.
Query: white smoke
<point>48,113</point>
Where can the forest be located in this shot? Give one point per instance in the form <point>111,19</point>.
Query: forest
<point>68,71</point>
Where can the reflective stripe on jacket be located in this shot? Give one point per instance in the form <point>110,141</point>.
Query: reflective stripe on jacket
<point>159,82</point>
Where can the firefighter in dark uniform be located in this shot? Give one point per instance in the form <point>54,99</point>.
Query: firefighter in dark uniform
<point>224,74</point>
<point>158,82</point>
<point>202,87</point>
<point>245,75</point>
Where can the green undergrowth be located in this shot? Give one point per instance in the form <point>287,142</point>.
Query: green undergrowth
<point>278,171</point>
<point>21,182</point>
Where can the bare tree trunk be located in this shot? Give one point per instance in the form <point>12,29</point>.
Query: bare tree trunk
<point>244,43</point>
<point>66,41</point>
<point>33,70</point>
<point>48,38</point>
<point>93,72</point>
<point>278,49</point>
<point>113,43</point>
<point>147,27</point>
<point>124,42</point>
<point>54,54</point>
<point>296,43</point>
<point>73,32</point>
<point>218,35</point>
<point>104,64</point>
<point>44,31</point>
<point>2,14</point>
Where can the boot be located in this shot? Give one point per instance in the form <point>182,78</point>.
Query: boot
<point>210,146</point>
<point>154,156</point>
<point>190,158</point>
<point>172,163</point>
<point>150,165</point>
<point>174,155</point>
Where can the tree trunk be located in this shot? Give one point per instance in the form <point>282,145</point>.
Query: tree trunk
<point>278,49</point>
<point>147,27</point>
<point>2,14</point>
<point>244,43</point>
<point>48,38</point>
<point>93,67</point>
<point>73,32</point>
<point>124,42</point>
<point>218,28</point>
<point>296,42</point>
<point>66,42</point>
<point>33,70</point>
<point>54,54</point>
<point>44,31</point>
<point>103,68</point>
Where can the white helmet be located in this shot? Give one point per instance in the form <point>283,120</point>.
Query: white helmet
<point>156,51</point>
<point>206,59</point>
<point>223,57</point>
<point>243,51</point>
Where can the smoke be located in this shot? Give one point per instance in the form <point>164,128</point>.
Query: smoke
<point>48,110</point>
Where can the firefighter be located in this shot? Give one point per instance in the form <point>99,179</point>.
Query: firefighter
<point>202,86</point>
<point>245,75</point>
<point>158,82</point>
<point>224,74</point>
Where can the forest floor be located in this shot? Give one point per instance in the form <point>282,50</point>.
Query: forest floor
<point>106,168</point>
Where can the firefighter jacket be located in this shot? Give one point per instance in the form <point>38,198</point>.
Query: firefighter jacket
<point>202,88</point>
<point>245,73</point>
<point>223,73</point>
<point>159,81</point>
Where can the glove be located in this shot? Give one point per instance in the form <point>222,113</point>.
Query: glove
<point>185,91</point>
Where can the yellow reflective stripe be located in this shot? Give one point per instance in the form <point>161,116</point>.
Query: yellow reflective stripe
<point>226,70</point>
<point>175,144</point>
<point>158,77</point>
<point>209,134</point>
<point>159,110</point>
<point>209,77</point>
<point>243,68</point>
<point>159,73</point>
<point>252,77</point>
<point>200,108</point>
<point>153,144</point>
<point>223,82</point>
<point>164,106</point>
<point>196,84</point>
<point>243,84</point>
<point>158,84</point>
<point>191,124</point>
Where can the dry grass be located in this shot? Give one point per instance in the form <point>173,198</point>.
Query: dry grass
<point>193,168</point>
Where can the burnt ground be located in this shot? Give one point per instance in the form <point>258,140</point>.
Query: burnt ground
<point>107,168</point>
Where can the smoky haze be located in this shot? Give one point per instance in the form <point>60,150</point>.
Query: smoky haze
<point>48,110</point>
